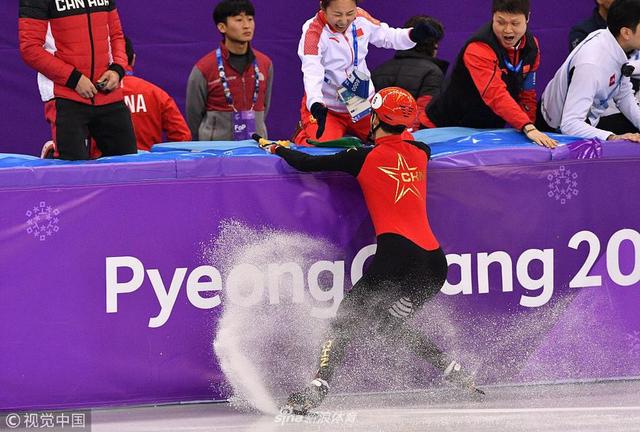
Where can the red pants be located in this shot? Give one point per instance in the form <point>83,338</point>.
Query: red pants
<point>337,126</point>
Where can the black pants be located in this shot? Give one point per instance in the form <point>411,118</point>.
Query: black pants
<point>73,123</point>
<point>541,123</point>
<point>617,123</point>
<point>401,278</point>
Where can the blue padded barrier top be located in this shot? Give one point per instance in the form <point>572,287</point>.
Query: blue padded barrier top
<point>451,146</point>
<point>201,146</point>
<point>485,140</point>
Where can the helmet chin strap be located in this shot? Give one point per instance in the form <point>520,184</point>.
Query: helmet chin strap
<point>374,129</point>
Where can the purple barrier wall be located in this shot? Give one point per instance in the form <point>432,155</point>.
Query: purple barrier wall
<point>544,278</point>
<point>176,34</point>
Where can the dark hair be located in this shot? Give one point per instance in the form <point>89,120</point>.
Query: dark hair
<point>325,3</point>
<point>396,130</point>
<point>623,13</point>
<point>128,46</point>
<point>430,45</point>
<point>229,8</point>
<point>512,6</point>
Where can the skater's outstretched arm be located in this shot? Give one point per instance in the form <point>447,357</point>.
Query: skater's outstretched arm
<point>349,161</point>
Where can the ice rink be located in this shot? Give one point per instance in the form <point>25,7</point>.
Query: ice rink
<point>612,406</point>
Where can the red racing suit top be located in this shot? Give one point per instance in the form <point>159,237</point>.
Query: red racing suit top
<point>65,39</point>
<point>393,178</point>
<point>153,112</point>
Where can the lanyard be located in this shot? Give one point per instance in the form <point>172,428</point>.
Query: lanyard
<point>355,44</point>
<point>225,82</point>
<point>517,68</point>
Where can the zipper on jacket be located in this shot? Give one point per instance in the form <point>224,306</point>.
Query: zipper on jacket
<point>93,59</point>
<point>350,48</point>
<point>244,89</point>
<point>495,68</point>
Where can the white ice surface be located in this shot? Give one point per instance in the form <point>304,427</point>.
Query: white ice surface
<point>608,406</point>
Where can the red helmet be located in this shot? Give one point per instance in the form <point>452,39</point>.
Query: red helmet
<point>395,106</point>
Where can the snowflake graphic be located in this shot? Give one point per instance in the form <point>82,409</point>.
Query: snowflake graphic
<point>563,185</point>
<point>633,339</point>
<point>42,221</point>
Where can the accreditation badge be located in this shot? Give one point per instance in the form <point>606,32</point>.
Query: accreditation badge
<point>354,93</point>
<point>244,125</point>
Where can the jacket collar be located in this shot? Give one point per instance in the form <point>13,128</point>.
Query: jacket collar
<point>389,140</point>
<point>323,19</point>
<point>615,50</point>
<point>226,53</point>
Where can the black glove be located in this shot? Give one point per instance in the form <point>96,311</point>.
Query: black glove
<point>319,112</point>
<point>423,31</point>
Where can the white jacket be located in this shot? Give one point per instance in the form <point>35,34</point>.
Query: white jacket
<point>328,56</point>
<point>596,84</point>
<point>634,61</point>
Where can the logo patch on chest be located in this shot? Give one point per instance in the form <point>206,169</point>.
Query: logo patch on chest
<point>405,177</point>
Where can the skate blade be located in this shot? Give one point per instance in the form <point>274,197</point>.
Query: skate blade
<point>291,410</point>
<point>477,390</point>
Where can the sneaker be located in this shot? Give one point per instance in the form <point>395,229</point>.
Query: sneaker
<point>302,402</point>
<point>456,375</point>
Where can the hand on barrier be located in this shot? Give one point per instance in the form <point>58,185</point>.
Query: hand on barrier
<point>47,150</point>
<point>538,137</point>
<point>423,31</point>
<point>268,145</point>
<point>634,137</point>
<point>320,112</point>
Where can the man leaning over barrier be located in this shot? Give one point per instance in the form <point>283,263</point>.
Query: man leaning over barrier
<point>493,80</point>
<point>595,76</point>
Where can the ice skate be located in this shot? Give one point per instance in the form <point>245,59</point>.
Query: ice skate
<point>302,402</point>
<point>456,375</point>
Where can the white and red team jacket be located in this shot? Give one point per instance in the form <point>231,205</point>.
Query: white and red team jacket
<point>328,55</point>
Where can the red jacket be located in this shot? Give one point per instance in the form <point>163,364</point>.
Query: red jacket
<point>490,85</point>
<point>481,60</point>
<point>64,40</point>
<point>153,112</point>
<point>242,85</point>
